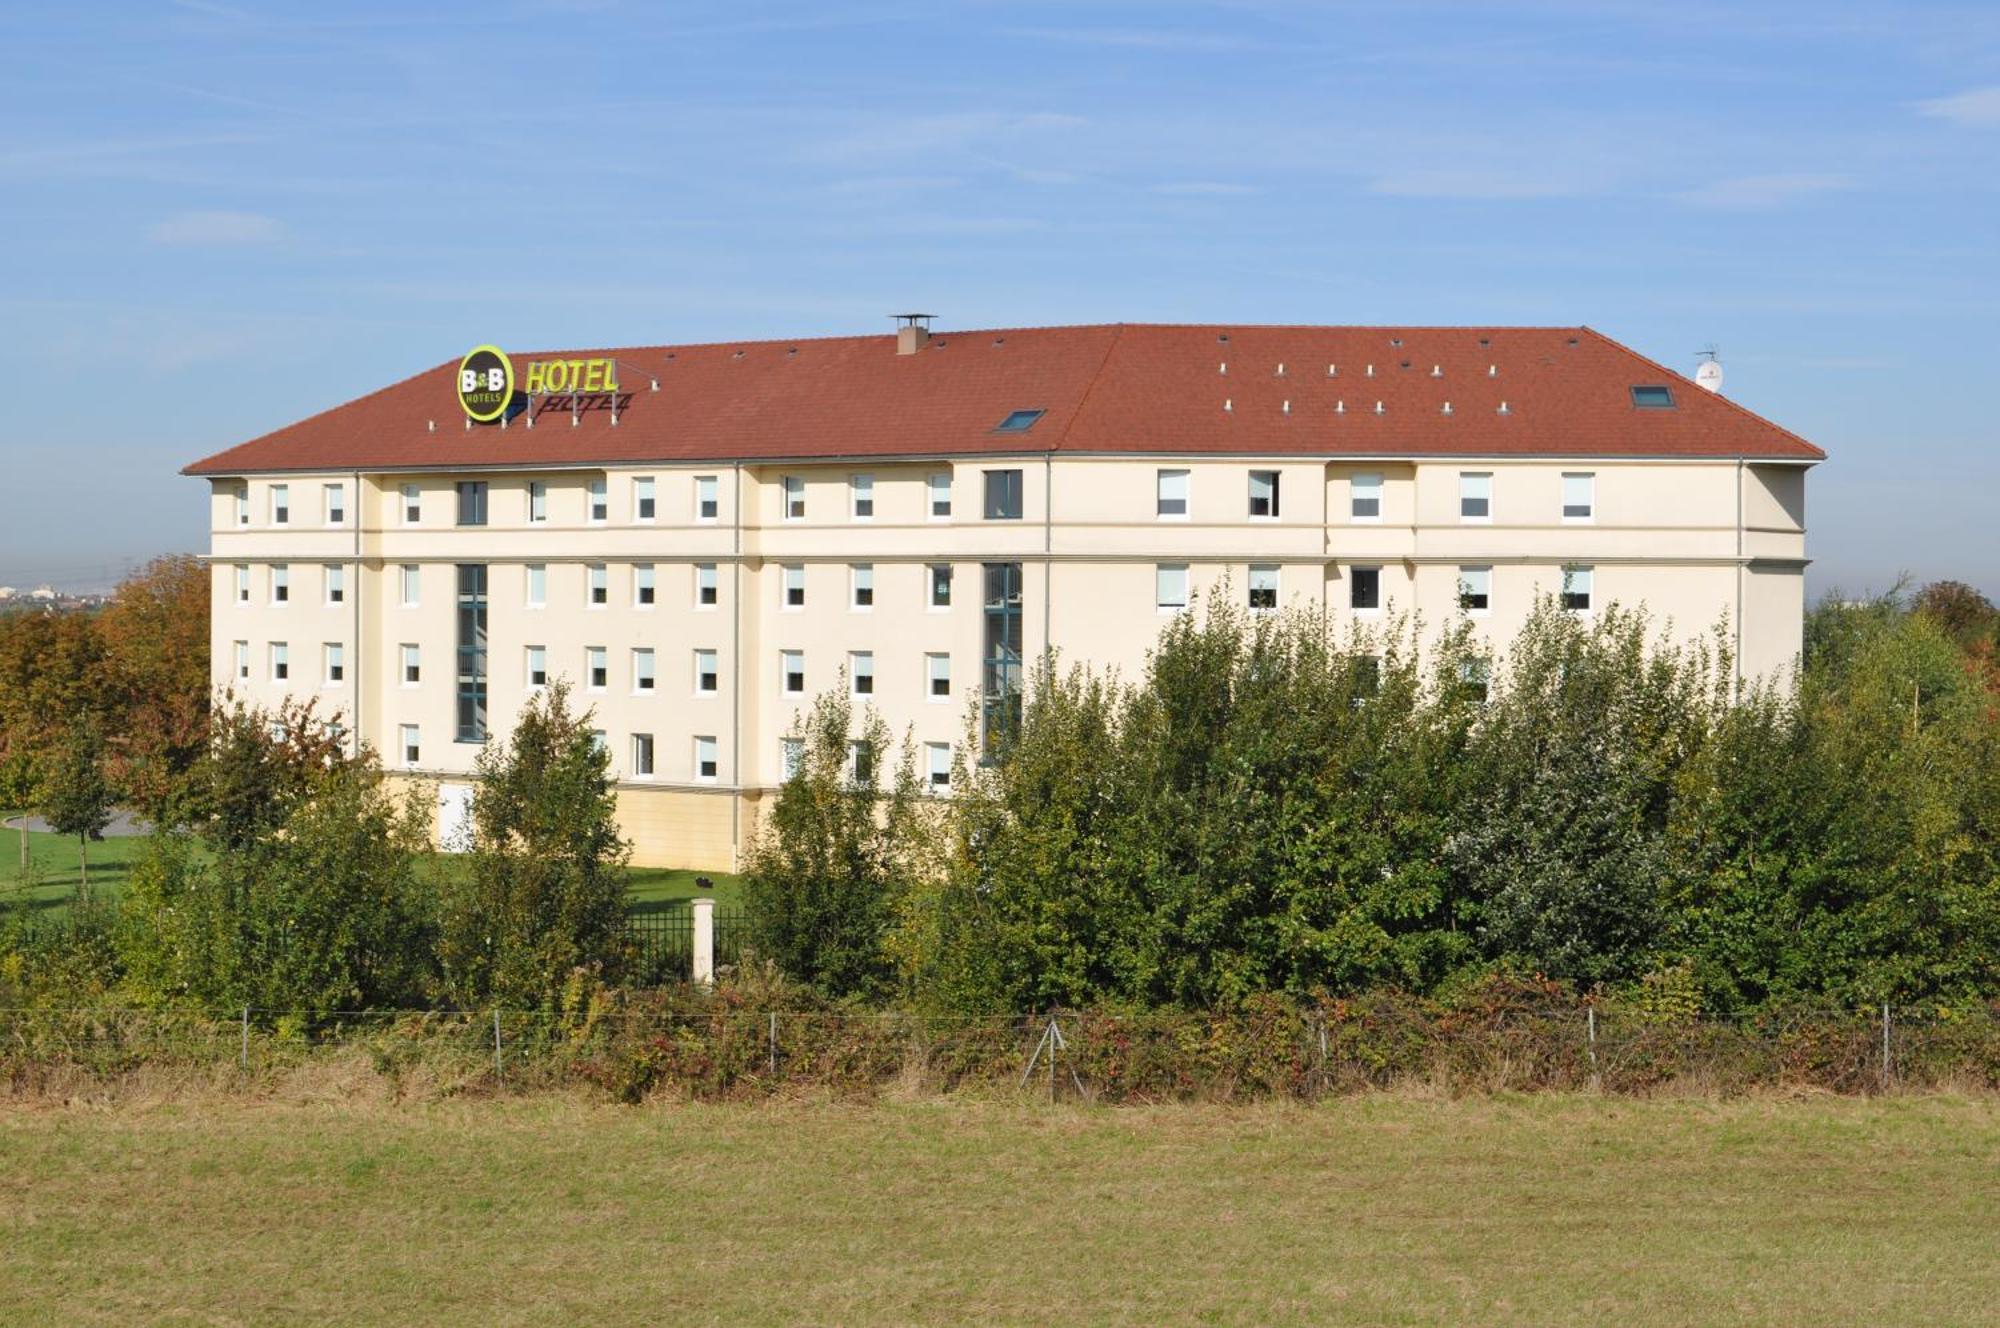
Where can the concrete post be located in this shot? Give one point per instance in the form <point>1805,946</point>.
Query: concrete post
<point>703,970</point>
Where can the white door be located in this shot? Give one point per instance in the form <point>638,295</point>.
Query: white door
<point>455,817</point>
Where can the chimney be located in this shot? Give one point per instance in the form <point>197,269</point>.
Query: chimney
<point>913,332</point>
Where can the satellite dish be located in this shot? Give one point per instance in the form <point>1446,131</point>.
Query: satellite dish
<point>1708,374</point>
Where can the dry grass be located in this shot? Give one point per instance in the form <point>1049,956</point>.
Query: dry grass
<point>316,1208</point>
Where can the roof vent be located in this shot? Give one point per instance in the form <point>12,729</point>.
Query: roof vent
<point>1371,371</point>
<point>1228,404</point>
<point>913,332</point>
<point>434,426</point>
<point>1437,371</point>
<point>1281,368</point>
<point>1504,410</point>
<point>999,341</point>
<point>737,356</point>
<point>1223,368</point>
<point>1447,408</point>
<point>1222,337</point>
<point>1340,407</point>
<point>1288,405</point>
<point>1486,341</point>
<point>529,419</point>
<point>1492,371</point>
<point>1332,372</point>
<point>1395,341</point>
<point>1378,408</point>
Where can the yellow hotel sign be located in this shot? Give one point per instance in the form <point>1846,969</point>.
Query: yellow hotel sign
<point>486,381</point>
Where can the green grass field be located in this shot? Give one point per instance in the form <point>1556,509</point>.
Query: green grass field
<point>1377,1210</point>
<point>54,873</point>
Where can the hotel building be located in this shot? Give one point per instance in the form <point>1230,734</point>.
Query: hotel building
<point>701,538</point>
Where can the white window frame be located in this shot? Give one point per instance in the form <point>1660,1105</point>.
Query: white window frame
<point>713,750</point>
<point>707,492</point>
<point>1275,573</point>
<point>791,756</point>
<point>931,583</point>
<point>860,495</point>
<point>1587,574</point>
<point>645,671</point>
<point>643,756</point>
<point>707,578</point>
<point>1276,496</point>
<point>1163,576</point>
<point>412,504</point>
<point>597,502</point>
<point>596,586</point>
<point>1475,579</point>
<point>937,668</point>
<point>410,585</point>
<point>792,574</point>
<point>412,657</point>
<point>281,583</point>
<point>333,498</point>
<point>645,491</point>
<point>535,585</point>
<point>538,502</point>
<point>281,504</point>
<point>1380,593</point>
<point>1364,487</point>
<point>333,655</point>
<point>937,777</point>
<point>410,745</point>
<point>596,659</point>
<point>333,579</point>
<point>645,587</point>
<point>793,498</point>
<point>713,658</point>
<point>1588,481</point>
<point>243,583</point>
<point>937,487</point>
<point>242,656</point>
<point>1173,485</point>
<point>861,664</point>
<point>241,494</point>
<point>530,657</point>
<point>281,661</point>
<point>1475,486</point>
<point>787,658</point>
<point>860,581</point>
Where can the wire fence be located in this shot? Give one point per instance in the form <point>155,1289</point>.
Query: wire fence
<point>712,1047</point>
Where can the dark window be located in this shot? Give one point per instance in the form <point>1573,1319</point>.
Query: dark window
<point>1019,421</point>
<point>600,669</point>
<point>1365,587</point>
<point>940,585</point>
<point>1003,495</point>
<point>864,762</point>
<point>1264,493</point>
<point>645,501</point>
<point>472,502</point>
<point>1653,398</point>
<point>795,677</point>
<point>795,589</point>
<point>1000,697</point>
<point>472,646</point>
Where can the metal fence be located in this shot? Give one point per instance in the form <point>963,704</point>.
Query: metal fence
<point>662,944</point>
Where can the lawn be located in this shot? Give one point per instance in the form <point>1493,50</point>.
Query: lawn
<point>54,869</point>
<point>1376,1210</point>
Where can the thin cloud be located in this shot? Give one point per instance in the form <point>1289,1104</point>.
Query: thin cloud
<point>1762,193</point>
<point>217,230</point>
<point>1476,184</point>
<point>1143,39</point>
<point>1203,189</point>
<point>1978,108</point>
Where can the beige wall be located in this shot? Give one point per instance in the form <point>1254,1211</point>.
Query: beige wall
<point>1694,542</point>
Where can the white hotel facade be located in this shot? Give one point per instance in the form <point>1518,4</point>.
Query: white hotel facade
<point>919,513</point>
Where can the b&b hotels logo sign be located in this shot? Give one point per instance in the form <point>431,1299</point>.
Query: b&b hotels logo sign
<point>487,390</point>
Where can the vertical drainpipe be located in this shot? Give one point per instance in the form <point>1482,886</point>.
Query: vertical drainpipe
<point>736,662</point>
<point>359,664</point>
<point>1739,578</point>
<point>1048,551</point>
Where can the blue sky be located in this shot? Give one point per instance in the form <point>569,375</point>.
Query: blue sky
<point>221,217</point>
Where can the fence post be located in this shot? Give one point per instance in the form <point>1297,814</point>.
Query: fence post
<point>499,1065</point>
<point>244,1058</point>
<point>774,1044</point>
<point>702,969</point>
<point>1885,1046</point>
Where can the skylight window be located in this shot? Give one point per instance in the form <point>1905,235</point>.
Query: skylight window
<point>1019,421</point>
<point>1653,398</point>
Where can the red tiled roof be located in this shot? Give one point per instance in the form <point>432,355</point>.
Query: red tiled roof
<point>1108,388</point>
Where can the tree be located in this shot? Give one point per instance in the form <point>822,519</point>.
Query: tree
<point>543,893</point>
<point>836,855</point>
<point>76,796</point>
<point>18,790</point>
<point>256,767</point>
<point>155,668</point>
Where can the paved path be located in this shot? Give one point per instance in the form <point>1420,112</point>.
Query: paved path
<point>123,825</point>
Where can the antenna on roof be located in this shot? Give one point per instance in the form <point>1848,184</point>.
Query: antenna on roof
<point>1708,373</point>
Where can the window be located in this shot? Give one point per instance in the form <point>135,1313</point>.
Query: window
<point>1577,584</point>
<point>861,672</point>
<point>412,750</point>
<point>600,741</point>
<point>538,502</point>
<point>861,762</point>
<point>243,505</point>
<point>1475,589</point>
<point>281,583</point>
<point>642,670</point>
<point>412,585</point>
<point>1003,495</point>
<point>281,661</point>
<point>792,672</point>
<point>939,754</point>
<point>642,585</point>
<point>472,652</point>
<point>336,664</point>
<point>704,585</point>
<point>1171,587</point>
<point>1263,493</point>
<point>1475,496</point>
<point>596,668</point>
<point>600,502</point>
<point>538,585</point>
<point>707,674</point>
<point>863,576</point>
<point>1019,421</point>
<point>537,669</point>
<point>940,585</point>
<point>791,756</point>
<point>242,583</point>
<point>471,502</point>
<point>1000,681</point>
<point>795,498</point>
<point>335,497</point>
<point>1364,498</point>
<point>939,484</point>
<point>336,584</point>
<point>861,497</point>
<point>281,504</point>
<point>600,585</point>
<point>1653,398</point>
<point>413,505</point>
<point>795,586</point>
<point>1263,587</point>
<point>705,760</point>
<point>1579,496</point>
<point>643,504</point>
<point>642,756</point>
<point>1476,676</point>
<point>413,669</point>
<point>1170,493</point>
<point>706,505</point>
<point>1364,589</point>
<point>243,661</point>
<point>937,670</point>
